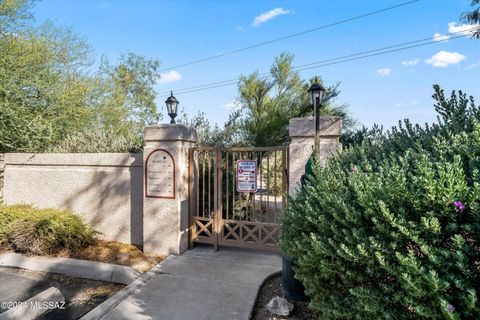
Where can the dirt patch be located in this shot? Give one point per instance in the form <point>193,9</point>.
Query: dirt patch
<point>117,253</point>
<point>270,289</point>
<point>112,252</point>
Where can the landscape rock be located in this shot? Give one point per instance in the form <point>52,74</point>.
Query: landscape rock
<point>280,306</point>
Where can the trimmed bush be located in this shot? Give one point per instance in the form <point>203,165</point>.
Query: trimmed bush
<point>43,231</point>
<point>390,228</point>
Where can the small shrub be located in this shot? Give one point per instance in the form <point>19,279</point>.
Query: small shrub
<point>43,231</point>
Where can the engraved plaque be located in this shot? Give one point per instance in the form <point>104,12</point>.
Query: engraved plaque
<point>160,175</point>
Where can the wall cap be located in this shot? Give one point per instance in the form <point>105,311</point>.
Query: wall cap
<point>75,159</point>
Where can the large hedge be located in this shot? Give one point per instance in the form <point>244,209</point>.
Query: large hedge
<point>390,228</point>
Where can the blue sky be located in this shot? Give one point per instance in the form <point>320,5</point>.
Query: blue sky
<point>379,89</point>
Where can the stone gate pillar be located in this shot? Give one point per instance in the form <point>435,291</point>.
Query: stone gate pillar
<point>302,134</point>
<point>165,204</point>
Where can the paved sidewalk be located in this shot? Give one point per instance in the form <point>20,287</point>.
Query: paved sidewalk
<point>200,284</point>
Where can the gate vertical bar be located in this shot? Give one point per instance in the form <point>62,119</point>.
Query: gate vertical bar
<point>284,178</point>
<point>216,192</point>
<point>191,180</point>
<point>220,194</point>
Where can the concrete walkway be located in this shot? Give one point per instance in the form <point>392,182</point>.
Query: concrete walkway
<point>198,284</point>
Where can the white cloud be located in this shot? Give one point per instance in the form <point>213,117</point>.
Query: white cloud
<point>466,29</point>
<point>410,62</point>
<point>383,72</point>
<point>170,76</point>
<point>440,37</point>
<point>443,59</point>
<point>231,105</point>
<point>475,65</point>
<point>264,17</point>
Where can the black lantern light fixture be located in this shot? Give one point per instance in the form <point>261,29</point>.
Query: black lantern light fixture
<point>172,105</point>
<point>316,92</point>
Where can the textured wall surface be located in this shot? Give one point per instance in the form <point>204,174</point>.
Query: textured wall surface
<point>2,166</point>
<point>302,134</point>
<point>105,189</point>
<point>166,220</point>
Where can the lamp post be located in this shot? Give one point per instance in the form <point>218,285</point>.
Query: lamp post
<point>316,92</point>
<point>172,105</point>
<point>293,289</point>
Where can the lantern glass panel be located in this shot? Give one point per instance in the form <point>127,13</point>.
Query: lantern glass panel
<point>172,107</point>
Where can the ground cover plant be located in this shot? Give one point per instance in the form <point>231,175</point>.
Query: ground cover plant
<point>27,229</point>
<point>61,233</point>
<point>390,228</point>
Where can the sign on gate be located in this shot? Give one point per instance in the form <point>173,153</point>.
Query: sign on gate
<point>246,176</point>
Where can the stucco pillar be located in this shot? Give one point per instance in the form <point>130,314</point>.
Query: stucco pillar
<point>165,209</point>
<point>302,134</point>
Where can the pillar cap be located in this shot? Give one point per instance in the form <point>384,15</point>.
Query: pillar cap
<point>170,132</point>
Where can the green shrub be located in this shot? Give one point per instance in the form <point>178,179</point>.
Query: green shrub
<point>42,231</point>
<point>390,228</point>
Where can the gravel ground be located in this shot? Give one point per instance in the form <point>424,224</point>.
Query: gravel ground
<point>81,295</point>
<point>270,289</point>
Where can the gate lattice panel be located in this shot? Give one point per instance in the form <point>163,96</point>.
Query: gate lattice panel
<point>220,215</point>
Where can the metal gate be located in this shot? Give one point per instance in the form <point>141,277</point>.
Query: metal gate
<point>220,214</point>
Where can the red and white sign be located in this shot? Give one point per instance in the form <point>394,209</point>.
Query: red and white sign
<point>246,176</point>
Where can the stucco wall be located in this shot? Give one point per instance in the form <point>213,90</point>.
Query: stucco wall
<point>106,189</point>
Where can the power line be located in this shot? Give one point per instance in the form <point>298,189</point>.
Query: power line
<point>376,54</point>
<point>288,36</point>
<point>327,62</point>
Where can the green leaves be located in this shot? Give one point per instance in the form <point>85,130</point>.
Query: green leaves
<point>269,102</point>
<point>51,100</point>
<point>397,237</point>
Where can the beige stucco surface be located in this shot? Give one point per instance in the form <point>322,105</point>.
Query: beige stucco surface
<point>166,220</point>
<point>302,134</point>
<point>105,189</point>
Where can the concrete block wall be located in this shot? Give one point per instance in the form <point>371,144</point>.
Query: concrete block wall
<point>106,189</point>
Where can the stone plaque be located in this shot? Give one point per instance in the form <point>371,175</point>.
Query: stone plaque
<point>160,175</point>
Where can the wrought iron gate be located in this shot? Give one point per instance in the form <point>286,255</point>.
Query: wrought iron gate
<point>220,214</point>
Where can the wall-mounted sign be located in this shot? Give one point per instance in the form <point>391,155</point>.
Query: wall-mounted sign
<point>246,176</point>
<point>160,175</point>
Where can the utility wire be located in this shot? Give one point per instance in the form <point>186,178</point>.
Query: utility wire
<point>331,61</point>
<point>288,36</point>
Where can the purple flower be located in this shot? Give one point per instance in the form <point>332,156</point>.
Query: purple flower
<point>460,206</point>
<point>451,308</point>
<point>354,170</point>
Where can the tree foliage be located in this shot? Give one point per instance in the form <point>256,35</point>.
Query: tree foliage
<point>268,103</point>
<point>212,135</point>
<point>13,13</point>
<point>49,98</point>
<point>473,17</point>
<point>390,227</point>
